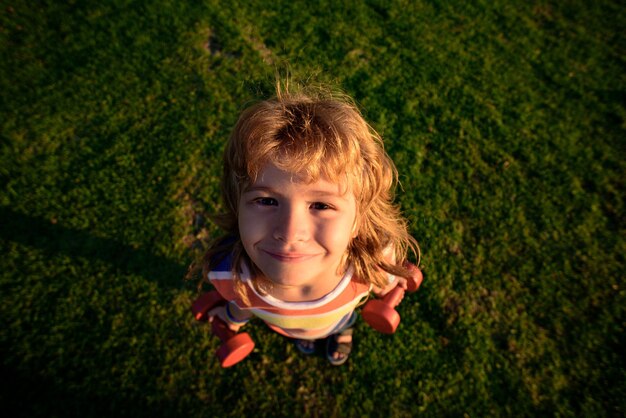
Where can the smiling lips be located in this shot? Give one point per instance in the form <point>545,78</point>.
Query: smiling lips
<point>287,257</point>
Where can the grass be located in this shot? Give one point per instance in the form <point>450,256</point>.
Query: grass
<point>506,121</point>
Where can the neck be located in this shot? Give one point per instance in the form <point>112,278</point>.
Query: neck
<point>303,293</point>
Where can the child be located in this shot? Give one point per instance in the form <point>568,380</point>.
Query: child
<point>309,220</point>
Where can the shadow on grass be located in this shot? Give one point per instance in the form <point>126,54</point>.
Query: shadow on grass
<point>55,239</point>
<point>24,395</point>
<point>25,390</point>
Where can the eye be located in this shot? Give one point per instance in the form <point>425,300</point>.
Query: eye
<point>266,201</point>
<point>320,206</point>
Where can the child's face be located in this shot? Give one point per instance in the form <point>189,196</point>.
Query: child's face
<point>296,233</point>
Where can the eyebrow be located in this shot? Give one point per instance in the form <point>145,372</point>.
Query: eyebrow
<point>249,189</point>
<point>320,193</point>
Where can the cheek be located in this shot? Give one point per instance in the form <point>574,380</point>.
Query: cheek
<point>339,235</point>
<point>248,229</point>
<point>254,226</point>
<point>248,235</point>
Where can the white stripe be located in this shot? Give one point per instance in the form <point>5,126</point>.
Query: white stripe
<point>228,275</point>
<point>220,275</point>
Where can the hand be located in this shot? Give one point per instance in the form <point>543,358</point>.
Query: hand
<point>400,281</point>
<point>220,312</point>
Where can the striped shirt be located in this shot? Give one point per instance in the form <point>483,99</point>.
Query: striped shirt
<point>306,320</point>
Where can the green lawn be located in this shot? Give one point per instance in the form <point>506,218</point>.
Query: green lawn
<point>506,119</point>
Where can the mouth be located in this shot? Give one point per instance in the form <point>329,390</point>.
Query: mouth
<point>287,257</point>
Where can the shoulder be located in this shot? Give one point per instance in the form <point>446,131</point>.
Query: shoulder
<point>222,267</point>
<point>221,277</point>
<point>358,284</point>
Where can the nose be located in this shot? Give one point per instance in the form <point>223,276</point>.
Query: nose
<point>291,225</point>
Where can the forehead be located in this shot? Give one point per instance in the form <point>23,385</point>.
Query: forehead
<point>272,177</point>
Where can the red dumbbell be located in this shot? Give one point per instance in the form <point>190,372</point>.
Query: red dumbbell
<point>235,347</point>
<point>380,313</point>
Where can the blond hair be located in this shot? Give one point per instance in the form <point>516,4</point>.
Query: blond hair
<point>316,135</point>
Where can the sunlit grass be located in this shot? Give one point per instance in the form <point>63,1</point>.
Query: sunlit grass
<point>507,124</point>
